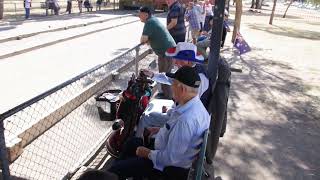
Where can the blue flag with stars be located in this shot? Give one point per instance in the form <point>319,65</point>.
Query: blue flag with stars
<point>241,44</point>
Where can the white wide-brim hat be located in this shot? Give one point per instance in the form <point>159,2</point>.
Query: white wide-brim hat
<point>185,51</point>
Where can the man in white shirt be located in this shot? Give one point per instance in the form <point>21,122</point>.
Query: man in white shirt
<point>201,13</point>
<point>209,13</point>
<point>27,6</point>
<point>176,144</point>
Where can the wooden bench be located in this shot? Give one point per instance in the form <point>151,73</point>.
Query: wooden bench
<point>87,5</point>
<point>47,7</point>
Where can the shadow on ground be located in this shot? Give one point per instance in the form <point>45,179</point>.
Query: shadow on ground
<point>273,127</point>
<point>286,31</point>
<point>266,12</point>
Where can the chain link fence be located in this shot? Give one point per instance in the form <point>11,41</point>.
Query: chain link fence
<point>55,133</point>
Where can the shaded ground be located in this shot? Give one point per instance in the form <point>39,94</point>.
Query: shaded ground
<point>274,115</point>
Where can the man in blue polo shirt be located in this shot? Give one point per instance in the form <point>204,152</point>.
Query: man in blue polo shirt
<point>175,21</point>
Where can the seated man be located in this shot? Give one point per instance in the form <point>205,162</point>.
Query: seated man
<point>98,5</point>
<point>87,5</point>
<point>176,143</point>
<point>204,40</point>
<point>184,54</point>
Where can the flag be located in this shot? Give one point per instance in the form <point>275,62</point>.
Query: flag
<point>241,44</point>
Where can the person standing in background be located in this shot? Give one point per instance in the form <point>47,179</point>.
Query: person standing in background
<point>175,21</point>
<point>209,13</point>
<point>80,5</point>
<point>193,19</point>
<point>201,13</point>
<point>69,6</point>
<point>27,6</point>
<point>155,34</point>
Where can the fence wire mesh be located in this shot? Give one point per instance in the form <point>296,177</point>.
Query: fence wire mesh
<point>51,135</point>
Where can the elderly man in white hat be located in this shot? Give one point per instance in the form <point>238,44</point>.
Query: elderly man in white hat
<point>184,54</point>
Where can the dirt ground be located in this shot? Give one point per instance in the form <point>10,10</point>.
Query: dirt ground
<point>274,115</point>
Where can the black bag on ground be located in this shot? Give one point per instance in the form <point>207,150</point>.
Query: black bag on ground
<point>107,104</point>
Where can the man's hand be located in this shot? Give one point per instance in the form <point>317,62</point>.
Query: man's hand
<point>164,109</point>
<point>144,39</point>
<point>205,33</point>
<point>147,73</point>
<point>143,152</point>
<point>153,130</point>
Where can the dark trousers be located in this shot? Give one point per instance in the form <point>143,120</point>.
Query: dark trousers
<point>207,25</point>
<point>69,7</point>
<point>129,165</point>
<point>224,35</point>
<point>179,38</point>
<point>165,65</point>
<point>27,13</point>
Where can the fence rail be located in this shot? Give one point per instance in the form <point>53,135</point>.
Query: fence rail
<point>52,134</point>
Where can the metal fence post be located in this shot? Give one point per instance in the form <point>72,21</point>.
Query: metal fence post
<point>136,60</point>
<point>3,153</point>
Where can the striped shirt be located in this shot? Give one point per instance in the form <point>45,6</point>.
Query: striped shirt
<point>193,19</point>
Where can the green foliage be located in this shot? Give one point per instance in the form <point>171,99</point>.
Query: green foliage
<point>314,2</point>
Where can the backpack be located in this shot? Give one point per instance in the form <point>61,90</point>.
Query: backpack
<point>133,102</point>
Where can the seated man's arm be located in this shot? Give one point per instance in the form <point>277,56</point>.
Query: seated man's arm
<point>162,78</point>
<point>158,77</point>
<point>178,143</point>
<point>153,130</point>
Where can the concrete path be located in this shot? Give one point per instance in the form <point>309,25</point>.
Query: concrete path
<point>45,68</point>
<point>10,30</point>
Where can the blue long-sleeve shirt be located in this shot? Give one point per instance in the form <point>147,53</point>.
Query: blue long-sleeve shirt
<point>176,144</point>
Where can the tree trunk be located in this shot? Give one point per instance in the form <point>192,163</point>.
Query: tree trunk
<point>237,21</point>
<point>285,13</point>
<point>1,9</point>
<point>272,13</point>
<point>258,4</point>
